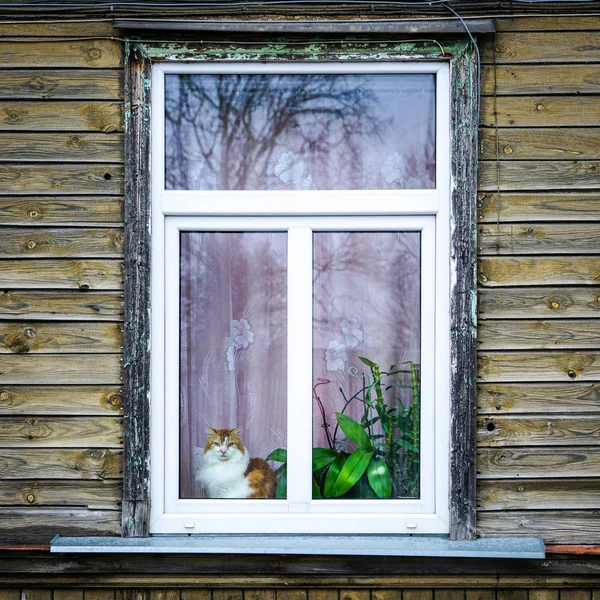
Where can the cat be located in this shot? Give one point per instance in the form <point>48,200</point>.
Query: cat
<point>228,472</point>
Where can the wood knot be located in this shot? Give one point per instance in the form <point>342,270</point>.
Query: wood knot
<point>30,498</point>
<point>95,53</point>
<point>540,107</point>
<point>33,214</point>
<point>554,304</point>
<point>116,400</point>
<point>30,332</point>
<point>4,395</point>
<point>31,244</point>
<point>32,421</point>
<point>572,374</point>
<point>36,84</point>
<point>13,115</point>
<point>507,150</point>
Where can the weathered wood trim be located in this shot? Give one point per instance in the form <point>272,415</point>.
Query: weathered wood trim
<point>463,296</point>
<point>136,467</point>
<point>464,120</point>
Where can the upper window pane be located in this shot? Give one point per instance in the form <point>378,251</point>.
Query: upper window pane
<point>300,132</point>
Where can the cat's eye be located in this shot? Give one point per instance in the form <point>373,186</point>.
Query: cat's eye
<point>216,444</point>
<point>230,444</point>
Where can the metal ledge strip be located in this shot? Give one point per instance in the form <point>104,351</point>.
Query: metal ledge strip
<point>423,26</point>
<point>335,545</point>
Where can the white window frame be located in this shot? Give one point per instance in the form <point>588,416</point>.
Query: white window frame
<point>299,213</point>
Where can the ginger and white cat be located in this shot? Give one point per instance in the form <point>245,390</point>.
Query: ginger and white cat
<point>228,471</point>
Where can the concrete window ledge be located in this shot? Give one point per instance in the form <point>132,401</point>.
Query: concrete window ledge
<point>335,545</point>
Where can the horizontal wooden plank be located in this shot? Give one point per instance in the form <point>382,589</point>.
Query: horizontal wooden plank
<point>61,432</point>
<point>66,242</point>
<point>60,369</point>
<point>36,116</point>
<point>68,147</point>
<point>534,175</point>
<point>539,143</point>
<point>540,206</point>
<point>90,54</point>
<point>546,398</point>
<point>72,306</point>
<point>42,524</point>
<point>542,270</point>
<point>533,47</point>
<point>91,494</point>
<point>102,274</point>
<point>73,400</point>
<point>539,238</point>
<point>540,111</point>
<point>18,178</point>
<point>57,29</point>
<point>61,210</point>
<point>88,463</point>
<point>532,494</point>
<point>43,337</point>
<point>538,366</point>
<point>548,23</point>
<point>56,84</point>
<point>545,430</point>
<point>538,334</point>
<point>555,527</point>
<point>538,462</point>
<point>527,80</point>
<point>528,303</point>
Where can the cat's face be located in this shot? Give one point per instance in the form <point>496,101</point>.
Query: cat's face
<point>224,444</point>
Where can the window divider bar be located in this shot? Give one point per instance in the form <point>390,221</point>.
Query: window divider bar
<point>299,376</point>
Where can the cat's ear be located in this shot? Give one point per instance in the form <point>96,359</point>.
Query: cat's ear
<point>237,431</point>
<point>211,431</point>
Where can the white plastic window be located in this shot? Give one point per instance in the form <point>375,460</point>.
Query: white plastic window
<point>300,235</point>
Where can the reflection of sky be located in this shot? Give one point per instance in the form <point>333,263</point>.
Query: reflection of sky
<point>300,131</point>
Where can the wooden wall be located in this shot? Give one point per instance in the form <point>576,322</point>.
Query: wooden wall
<point>61,238</point>
<point>61,280</point>
<point>539,275</point>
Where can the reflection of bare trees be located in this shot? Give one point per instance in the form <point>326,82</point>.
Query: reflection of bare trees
<point>228,131</point>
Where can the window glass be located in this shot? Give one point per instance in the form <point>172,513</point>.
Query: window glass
<point>233,338</point>
<point>366,355</point>
<point>300,132</point>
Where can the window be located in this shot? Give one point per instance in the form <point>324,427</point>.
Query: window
<point>300,291</point>
<point>312,252</point>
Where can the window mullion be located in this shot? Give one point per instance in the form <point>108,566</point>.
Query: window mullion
<point>299,464</point>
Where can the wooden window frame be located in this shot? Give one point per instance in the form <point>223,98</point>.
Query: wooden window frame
<point>461,57</point>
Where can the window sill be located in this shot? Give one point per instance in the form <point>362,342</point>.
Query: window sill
<point>335,545</point>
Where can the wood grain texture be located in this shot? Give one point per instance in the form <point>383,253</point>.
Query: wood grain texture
<point>41,337</point>
<point>204,594</point>
<point>537,334</point>
<point>36,116</point>
<point>540,111</point>
<point>449,594</point>
<point>556,527</point>
<point>67,594</point>
<point>511,594</point>
<point>581,594</point>
<point>10,594</point>
<point>540,303</point>
<point>541,206</point>
<point>73,242</point>
<point>355,594</point>
<point>67,210</point>
<point>60,432</point>
<point>101,274</point>
<point>538,462</point>
<point>72,306</point>
<point>543,366</point>
<point>543,594</point>
<point>546,398</point>
<point>57,29</point>
<point>537,175</point>
<point>73,400</point>
<point>528,80</point>
<point>423,594</point>
<point>238,594</point>
<point>68,147</point>
<point>545,430</point>
<point>52,369</point>
<point>54,84</point>
<point>36,594</point>
<point>248,595</point>
<point>318,594</point>
<point>90,54</point>
<point>542,270</point>
<point>549,23</point>
<point>164,594</point>
<point>61,179</point>
<point>89,463</point>
<point>98,495</point>
<point>546,47</point>
<point>538,494</point>
<point>382,594</point>
<point>539,238</point>
<point>42,523</point>
<point>539,143</point>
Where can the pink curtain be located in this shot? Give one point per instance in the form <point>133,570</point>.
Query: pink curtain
<point>233,343</point>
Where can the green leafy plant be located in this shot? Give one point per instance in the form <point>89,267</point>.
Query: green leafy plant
<point>385,462</point>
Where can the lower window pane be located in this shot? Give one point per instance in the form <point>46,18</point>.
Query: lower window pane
<point>233,312</point>
<point>366,364</point>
